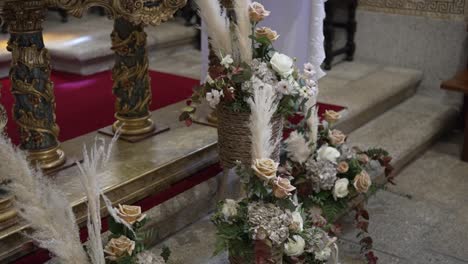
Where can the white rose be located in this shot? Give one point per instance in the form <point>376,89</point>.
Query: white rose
<point>282,64</point>
<point>294,247</point>
<point>341,188</point>
<point>227,61</point>
<point>229,208</point>
<point>328,153</point>
<point>214,97</point>
<point>297,222</point>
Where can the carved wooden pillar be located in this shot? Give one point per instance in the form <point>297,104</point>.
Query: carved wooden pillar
<point>131,79</point>
<point>34,109</point>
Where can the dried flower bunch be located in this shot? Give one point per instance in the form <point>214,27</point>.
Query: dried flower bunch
<point>328,173</point>
<point>49,213</point>
<point>248,61</point>
<point>268,223</point>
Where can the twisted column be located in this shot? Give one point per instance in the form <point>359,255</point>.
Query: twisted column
<point>34,109</point>
<point>131,79</point>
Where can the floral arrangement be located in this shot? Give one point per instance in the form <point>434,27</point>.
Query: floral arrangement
<point>329,173</point>
<point>125,245</point>
<point>268,225</point>
<point>248,61</point>
<point>48,212</point>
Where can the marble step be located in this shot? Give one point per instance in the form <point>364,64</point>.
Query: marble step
<point>405,131</point>
<point>82,46</point>
<point>367,90</point>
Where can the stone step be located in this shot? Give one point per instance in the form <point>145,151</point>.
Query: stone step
<point>82,46</point>
<point>405,131</point>
<point>367,90</point>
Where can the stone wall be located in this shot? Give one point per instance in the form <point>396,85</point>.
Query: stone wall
<point>428,35</point>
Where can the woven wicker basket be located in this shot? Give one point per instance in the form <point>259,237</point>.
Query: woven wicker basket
<point>234,137</point>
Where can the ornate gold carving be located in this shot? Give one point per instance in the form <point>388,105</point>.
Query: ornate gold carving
<point>34,109</point>
<point>146,12</point>
<point>25,15</point>
<point>131,79</point>
<point>8,214</point>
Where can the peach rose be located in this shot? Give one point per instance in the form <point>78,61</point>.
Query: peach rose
<point>331,116</point>
<point>343,167</point>
<point>363,158</point>
<point>257,12</point>
<point>265,169</point>
<point>266,32</point>
<point>362,182</point>
<point>336,137</point>
<point>120,247</point>
<point>130,214</point>
<point>282,188</point>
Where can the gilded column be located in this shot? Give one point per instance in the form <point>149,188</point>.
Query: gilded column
<point>131,79</point>
<point>34,109</point>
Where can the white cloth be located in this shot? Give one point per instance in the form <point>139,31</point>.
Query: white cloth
<point>300,24</point>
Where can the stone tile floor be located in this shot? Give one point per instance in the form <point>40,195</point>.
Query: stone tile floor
<point>421,220</point>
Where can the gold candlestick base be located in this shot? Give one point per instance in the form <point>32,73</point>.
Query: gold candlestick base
<point>213,117</point>
<point>133,126</point>
<point>47,159</point>
<point>8,214</point>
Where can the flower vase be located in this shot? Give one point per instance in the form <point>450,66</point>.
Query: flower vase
<point>234,137</point>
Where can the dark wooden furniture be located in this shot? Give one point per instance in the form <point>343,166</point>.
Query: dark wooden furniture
<point>459,83</point>
<point>330,25</point>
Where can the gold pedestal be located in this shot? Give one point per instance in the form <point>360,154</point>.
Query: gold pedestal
<point>213,118</point>
<point>133,126</point>
<point>8,214</point>
<point>48,159</point>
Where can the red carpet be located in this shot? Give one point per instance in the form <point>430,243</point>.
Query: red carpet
<point>86,103</point>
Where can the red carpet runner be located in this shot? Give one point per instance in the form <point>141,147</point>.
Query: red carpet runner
<point>86,103</point>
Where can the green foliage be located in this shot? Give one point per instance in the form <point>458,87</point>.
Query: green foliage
<point>354,169</point>
<point>166,253</point>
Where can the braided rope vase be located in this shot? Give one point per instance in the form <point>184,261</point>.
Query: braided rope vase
<point>234,137</point>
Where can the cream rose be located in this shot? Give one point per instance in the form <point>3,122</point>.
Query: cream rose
<point>295,246</point>
<point>336,137</point>
<point>120,247</point>
<point>341,188</point>
<point>297,224</point>
<point>265,169</point>
<point>257,12</point>
<point>282,64</point>
<point>130,214</point>
<point>229,208</point>
<point>343,167</point>
<point>362,182</point>
<point>282,188</point>
<point>331,116</point>
<point>328,153</point>
<point>363,158</point>
<point>266,32</point>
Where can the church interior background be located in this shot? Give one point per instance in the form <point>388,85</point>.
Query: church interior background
<point>102,92</point>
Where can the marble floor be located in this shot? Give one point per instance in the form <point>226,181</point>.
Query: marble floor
<point>421,220</point>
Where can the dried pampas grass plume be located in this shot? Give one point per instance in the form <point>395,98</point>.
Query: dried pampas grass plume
<point>243,29</point>
<point>41,204</point>
<point>263,105</point>
<point>217,26</point>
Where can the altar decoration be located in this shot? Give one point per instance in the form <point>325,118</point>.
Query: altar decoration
<point>53,222</point>
<point>269,224</point>
<point>330,175</point>
<point>247,61</point>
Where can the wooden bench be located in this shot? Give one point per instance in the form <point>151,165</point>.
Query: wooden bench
<point>459,83</point>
